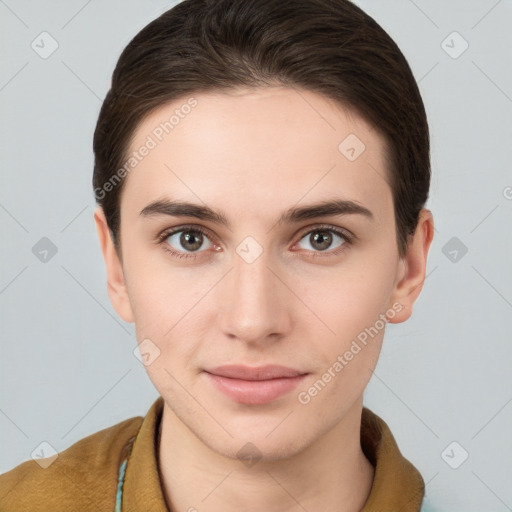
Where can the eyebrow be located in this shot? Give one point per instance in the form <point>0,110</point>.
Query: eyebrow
<point>326,208</point>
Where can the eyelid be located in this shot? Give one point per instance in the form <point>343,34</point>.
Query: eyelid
<point>328,227</point>
<point>166,233</point>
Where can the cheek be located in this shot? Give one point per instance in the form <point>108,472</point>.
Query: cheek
<point>161,292</point>
<point>168,306</point>
<point>351,299</point>
<point>346,356</point>
<point>349,305</point>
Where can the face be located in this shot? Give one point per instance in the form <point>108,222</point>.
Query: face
<point>275,282</point>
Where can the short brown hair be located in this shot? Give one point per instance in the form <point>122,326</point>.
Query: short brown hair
<point>330,47</point>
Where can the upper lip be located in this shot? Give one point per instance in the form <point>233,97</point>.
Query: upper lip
<point>267,372</point>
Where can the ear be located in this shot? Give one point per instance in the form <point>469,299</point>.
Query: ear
<point>116,285</point>
<point>412,267</point>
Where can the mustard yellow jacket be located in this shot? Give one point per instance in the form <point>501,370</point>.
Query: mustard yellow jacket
<point>115,469</point>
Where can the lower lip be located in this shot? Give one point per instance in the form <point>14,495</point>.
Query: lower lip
<point>255,392</point>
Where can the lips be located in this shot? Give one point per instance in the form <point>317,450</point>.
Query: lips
<point>254,385</point>
<point>266,372</point>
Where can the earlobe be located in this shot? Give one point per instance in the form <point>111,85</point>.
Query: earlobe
<point>116,285</point>
<point>411,274</point>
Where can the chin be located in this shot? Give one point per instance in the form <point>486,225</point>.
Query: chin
<point>259,444</point>
<point>258,450</point>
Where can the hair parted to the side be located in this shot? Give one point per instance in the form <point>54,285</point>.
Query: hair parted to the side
<point>330,47</point>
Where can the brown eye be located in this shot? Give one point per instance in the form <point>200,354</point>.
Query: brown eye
<point>187,240</point>
<point>321,239</point>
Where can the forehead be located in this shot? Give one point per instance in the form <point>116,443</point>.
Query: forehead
<point>257,148</point>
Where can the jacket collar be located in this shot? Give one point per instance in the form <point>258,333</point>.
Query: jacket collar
<point>397,484</point>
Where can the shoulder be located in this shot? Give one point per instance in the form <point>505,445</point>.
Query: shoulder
<point>82,477</point>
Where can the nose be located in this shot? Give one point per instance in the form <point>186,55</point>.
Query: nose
<point>255,302</point>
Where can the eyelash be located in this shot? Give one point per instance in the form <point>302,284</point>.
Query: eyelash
<point>348,240</point>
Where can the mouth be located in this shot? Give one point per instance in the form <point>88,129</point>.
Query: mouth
<point>254,385</point>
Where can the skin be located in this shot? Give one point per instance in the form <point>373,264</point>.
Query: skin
<point>252,154</point>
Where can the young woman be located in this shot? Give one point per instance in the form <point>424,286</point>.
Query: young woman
<point>261,171</point>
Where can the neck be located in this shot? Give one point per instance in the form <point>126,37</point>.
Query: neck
<point>331,474</point>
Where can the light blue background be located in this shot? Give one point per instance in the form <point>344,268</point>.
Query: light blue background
<point>67,364</point>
